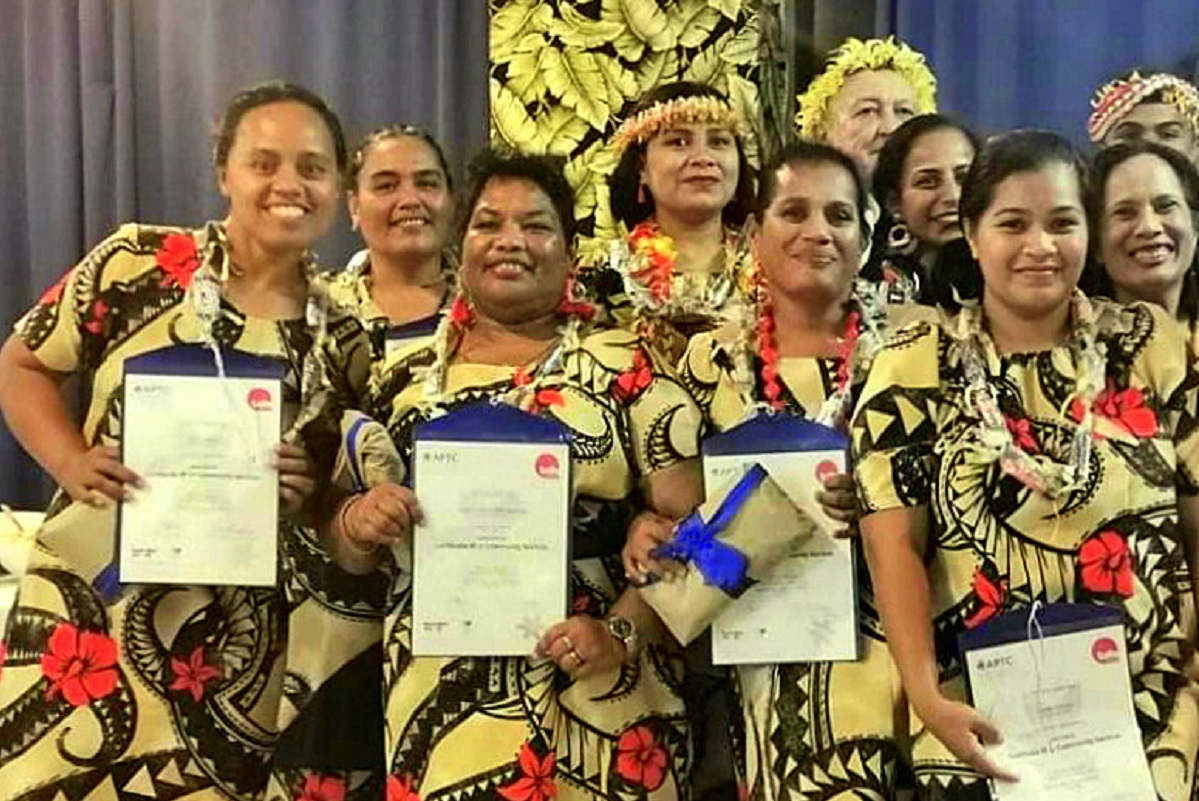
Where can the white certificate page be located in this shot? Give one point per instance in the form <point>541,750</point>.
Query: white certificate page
<point>209,513</point>
<point>491,561</point>
<point>805,609</point>
<point>1064,707</point>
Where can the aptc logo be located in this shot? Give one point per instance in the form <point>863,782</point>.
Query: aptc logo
<point>825,469</point>
<point>259,399</point>
<point>1105,650</point>
<point>547,466</point>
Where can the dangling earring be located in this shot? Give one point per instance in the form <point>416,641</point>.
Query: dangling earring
<point>641,200</point>
<point>462,312</point>
<point>900,239</point>
<point>571,304</point>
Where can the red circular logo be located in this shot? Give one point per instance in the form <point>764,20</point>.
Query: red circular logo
<point>547,466</point>
<point>259,399</point>
<point>825,469</point>
<point>1105,650</point>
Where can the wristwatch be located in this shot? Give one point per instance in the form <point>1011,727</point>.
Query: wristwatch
<point>624,632</point>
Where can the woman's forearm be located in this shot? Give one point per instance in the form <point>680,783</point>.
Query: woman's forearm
<point>892,544</point>
<point>35,411</point>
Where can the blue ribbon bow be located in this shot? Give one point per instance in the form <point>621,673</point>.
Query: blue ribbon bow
<point>720,564</point>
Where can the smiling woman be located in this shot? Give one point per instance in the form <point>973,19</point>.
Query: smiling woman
<point>972,432</point>
<point>103,679</point>
<point>400,198</point>
<point>596,713</point>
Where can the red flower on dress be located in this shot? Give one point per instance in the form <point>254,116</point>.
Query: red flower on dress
<point>1105,564</point>
<point>1022,434</point>
<point>461,313</point>
<point>322,788</point>
<point>79,665</point>
<point>632,382</point>
<point>537,777</point>
<point>95,323</point>
<point>178,259</point>
<point>545,398</point>
<point>192,675</point>
<point>990,595</point>
<point>1125,407</point>
<point>400,789</point>
<point>522,378</point>
<point>54,293</point>
<point>3,656</point>
<point>640,758</point>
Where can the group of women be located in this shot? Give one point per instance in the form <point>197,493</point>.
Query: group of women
<point>1014,441</point>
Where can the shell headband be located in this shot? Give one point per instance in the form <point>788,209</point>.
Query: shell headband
<point>644,126</point>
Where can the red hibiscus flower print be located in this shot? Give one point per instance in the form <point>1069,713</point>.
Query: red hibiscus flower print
<point>632,382</point>
<point>54,293</point>
<point>194,674</point>
<point>1124,407</point>
<point>178,259</point>
<point>1022,434</point>
<point>80,665</point>
<point>536,782</point>
<point>1105,564</point>
<point>322,788</point>
<point>545,398</point>
<point>400,789</point>
<point>990,596</point>
<point>95,321</point>
<point>3,657</point>
<point>640,758</point>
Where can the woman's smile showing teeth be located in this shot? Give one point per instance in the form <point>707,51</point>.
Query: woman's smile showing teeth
<point>287,211</point>
<point>1152,255</point>
<point>508,269</point>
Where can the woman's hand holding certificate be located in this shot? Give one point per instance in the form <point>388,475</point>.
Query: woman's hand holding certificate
<point>581,646</point>
<point>383,515</point>
<point>964,731</point>
<point>297,477</point>
<point>96,476</point>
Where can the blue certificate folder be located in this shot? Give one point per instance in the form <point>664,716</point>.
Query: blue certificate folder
<point>806,609</point>
<point>193,361</point>
<point>1051,619</point>
<point>482,581</point>
<point>775,433</point>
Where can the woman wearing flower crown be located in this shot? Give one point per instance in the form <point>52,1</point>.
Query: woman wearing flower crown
<point>866,91</point>
<point>1039,447</point>
<point>683,189</point>
<point>800,347</point>
<point>401,200</point>
<point>111,689</point>
<point>918,181</point>
<point>596,713</point>
<point>1147,212</point>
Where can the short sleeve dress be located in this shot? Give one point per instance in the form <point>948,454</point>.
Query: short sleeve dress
<point>997,545</point>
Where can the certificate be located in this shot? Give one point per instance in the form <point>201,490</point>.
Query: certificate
<point>209,513</point>
<point>805,608</point>
<point>491,561</point>
<point>1058,689</point>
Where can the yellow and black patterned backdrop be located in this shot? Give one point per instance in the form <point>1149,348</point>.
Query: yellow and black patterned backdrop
<point>564,75</point>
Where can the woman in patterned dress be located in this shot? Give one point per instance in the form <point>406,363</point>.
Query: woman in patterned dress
<point>182,692</point>
<point>1146,212</point>
<point>812,730</point>
<point>1038,448</point>
<point>400,196</point>
<point>591,715</point>
<point>682,191</point>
